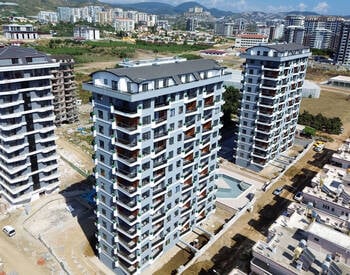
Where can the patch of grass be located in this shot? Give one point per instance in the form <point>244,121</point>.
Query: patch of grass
<point>330,104</point>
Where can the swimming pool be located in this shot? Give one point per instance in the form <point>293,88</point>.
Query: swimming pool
<point>234,187</point>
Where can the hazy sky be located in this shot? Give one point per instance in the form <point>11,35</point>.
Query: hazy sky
<point>336,7</point>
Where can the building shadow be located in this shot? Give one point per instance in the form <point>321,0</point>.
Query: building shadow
<point>268,214</point>
<point>79,199</point>
<point>235,256</point>
<point>322,158</point>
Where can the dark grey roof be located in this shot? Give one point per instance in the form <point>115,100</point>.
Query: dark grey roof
<point>144,73</point>
<point>21,52</point>
<point>283,47</point>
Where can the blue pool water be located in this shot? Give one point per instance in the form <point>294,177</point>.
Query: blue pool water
<point>236,187</point>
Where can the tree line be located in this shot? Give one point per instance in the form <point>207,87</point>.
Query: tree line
<point>321,123</point>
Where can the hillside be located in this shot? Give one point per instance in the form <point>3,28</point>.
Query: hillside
<point>32,7</point>
<point>162,8</point>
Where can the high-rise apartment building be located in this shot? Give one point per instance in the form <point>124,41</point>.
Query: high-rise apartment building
<point>273,77</point>
<point>294,30</point>
<point>28,159</point>
<point>343,53</point>
<point>156,134</point>
<point>322,32</point>
<point>64,90</point>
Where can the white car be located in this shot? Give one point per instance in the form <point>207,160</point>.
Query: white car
<point>9,230</point>
<point>298,196</point>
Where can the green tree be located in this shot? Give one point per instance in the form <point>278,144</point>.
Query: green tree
<point>230,108</point>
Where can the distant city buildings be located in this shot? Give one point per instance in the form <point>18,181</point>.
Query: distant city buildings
<point>224,28</point>
<point>247,40</point>
<point>156,129</point>
<point>29,167</point>
<point>64,90</point>
<point>101,15</point>
<point>273,77</point>
<point>45,17</point>
<point>86,33</point>
<point>19,32</point>
<point>123,24</point>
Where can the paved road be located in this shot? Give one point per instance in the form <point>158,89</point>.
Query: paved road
<point>234,247</point>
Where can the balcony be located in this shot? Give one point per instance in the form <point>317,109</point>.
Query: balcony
<point>159,175</point>
<point>209,102</point>
<point>265,111</point>
<point>188,159</point>
<point>205,151</point>
<point>190,134</point>
<point>127,256</point>
<point>129,231</point>
<point>207,127</point>
<point>160,134</point>
<point>129,174</point>
<point>130,204</point>
<point>260,154</point>
<point>191,107</point>
<point>159,146</point>
<point>190,123</point>
<point>129,216</point>
<point>158,228</point>
<point>127,242</point>
<point>161,104</point>
<point>126,186</point>
<point>159,161</point>
<point>158,216</point>
<point>263,129</point>
<point>128,156</point>
<point>131,143</point>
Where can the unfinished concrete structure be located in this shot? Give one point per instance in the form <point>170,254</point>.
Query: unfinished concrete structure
<point>64,90</point>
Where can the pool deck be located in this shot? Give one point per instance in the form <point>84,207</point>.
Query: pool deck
<point>235,172</point>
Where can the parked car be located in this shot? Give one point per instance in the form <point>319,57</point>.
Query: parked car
<point>298,196</point>
<point>9,230</point>
<point>278,191</point>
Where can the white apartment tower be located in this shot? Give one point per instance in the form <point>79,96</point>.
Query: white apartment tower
<point>273,77</point>
<point>28,159</point>
<point>156,140</point>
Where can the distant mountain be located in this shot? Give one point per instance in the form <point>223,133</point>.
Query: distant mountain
<point>305,13</point>
<point>162,8</point>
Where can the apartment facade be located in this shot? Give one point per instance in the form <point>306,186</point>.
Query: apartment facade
<point>343,53</point>
<point>247,40</point>
<point>64,90</point>
<point>156,140</point>
<point>19,32</point>
<point>273,77</point>
<point>86,33</point>
<point>28,159</point>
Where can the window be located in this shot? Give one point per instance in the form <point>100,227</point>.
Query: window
<point>105,81</point>
<point>146,104</point>
<point>171,140</point>
<point>102,158</point>
<point>181,109</point>
<point>100,114</point>
<point>171,154</point>
<point>146,136</point>
<point>114,85</point>
<point>146,120</point>
<point>172,112</point>
<point>100,129</point>
<point>103,198</point>
<point>170,168</point>
<point>170,180</point>
<point>103,172</point>
<point>179,137</point>
<point>179,150</point>
<point>102,144</point>
<point>145,87</point>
